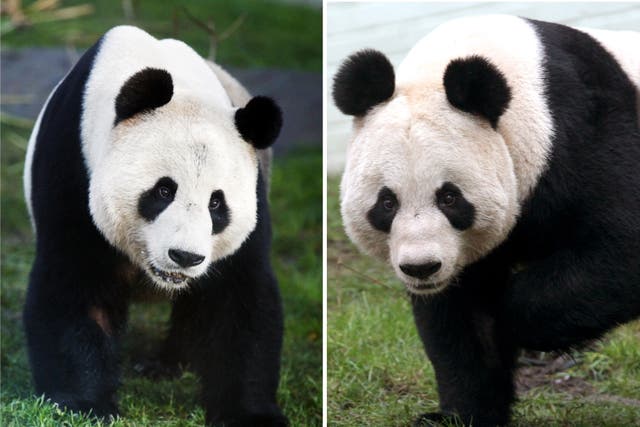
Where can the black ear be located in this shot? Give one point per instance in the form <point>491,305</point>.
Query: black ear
<point>476,86</point>
<point>364,80</point>
<point>146,90</point>
<point>259,122</point>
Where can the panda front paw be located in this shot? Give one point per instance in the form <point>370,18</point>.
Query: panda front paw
<point>439,419</point>
<point>257,420</point>
<point>434,419</point>
<point>105,410</point>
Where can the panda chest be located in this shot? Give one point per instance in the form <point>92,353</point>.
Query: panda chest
<point>136,283</point>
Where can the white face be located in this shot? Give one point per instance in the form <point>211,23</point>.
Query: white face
<point>176,191</point>
<point>427,188</point>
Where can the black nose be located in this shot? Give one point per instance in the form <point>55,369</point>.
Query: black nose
<point>421,271</point>
<point>184,258</point>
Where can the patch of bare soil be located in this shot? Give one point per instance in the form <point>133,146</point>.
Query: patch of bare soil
<point>546,369</point>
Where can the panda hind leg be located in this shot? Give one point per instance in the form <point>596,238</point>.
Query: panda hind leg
<point>170,360</point>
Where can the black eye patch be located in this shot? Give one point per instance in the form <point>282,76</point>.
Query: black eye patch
<point>455,207</point>
<point>220,216</point>
<point>152,202</point>
<point>381,215</point>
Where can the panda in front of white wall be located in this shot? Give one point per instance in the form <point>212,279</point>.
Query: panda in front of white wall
<point>498,173</point>
<point>142,168</point>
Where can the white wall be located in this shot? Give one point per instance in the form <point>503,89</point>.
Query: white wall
<point>394,27</point>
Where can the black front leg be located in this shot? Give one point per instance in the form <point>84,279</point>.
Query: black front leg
<point>472,359</point>
<point>231,329</point>
<point>71,328</point>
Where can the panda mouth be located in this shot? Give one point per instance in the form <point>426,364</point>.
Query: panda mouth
<point>169,276</point>
<point>423,287</point>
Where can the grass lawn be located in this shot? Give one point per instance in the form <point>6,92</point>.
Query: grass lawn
<point>273,34</point>
<point>296,203</point>
<point>379,375</point>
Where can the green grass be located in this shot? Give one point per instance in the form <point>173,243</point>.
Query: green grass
<point>284,35</point>
<point>378,373</point>
<point>296,203</point>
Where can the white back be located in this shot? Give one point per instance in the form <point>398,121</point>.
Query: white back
<point>513,46</point>
<point>126,50</point>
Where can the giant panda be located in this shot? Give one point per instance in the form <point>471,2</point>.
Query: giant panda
<point>144,169</point>
<point>497,171</point>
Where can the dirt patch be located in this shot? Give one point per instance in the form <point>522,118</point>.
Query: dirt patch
<point>549,370</point>
<point>544,369</point>
<point>399,389</point>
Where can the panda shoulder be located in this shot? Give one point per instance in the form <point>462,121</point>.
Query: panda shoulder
<point>239,97</point>
<point>623,46</point>
<point>509,42</point>
<point>237,93</point>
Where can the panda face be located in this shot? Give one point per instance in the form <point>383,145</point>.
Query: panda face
<point>176,191</point>
<point>426,188</point>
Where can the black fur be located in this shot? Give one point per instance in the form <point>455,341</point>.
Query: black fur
<point>228,328</point>
<point>72,264</point>
<point>220,216</point>
<point>145,91</point>
<point>460,213</point>
<point>380,216</point>
<point>364,80</point>
<point>472,354</point>
<point>259,122</point>
<point>570,269</point>
<point>243,307</point>
<point>476,86</point>
<point>153,201</point>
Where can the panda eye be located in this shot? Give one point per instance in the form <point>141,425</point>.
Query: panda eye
<point>388,203</point>
<point>164,192</point>
<point>214,203</point>
<point>448,199</point>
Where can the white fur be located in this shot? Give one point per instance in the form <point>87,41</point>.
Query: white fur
<point>236,92</point>
<point>513,47</point>
<point>417,141</point>
<point>406,145</point>
<point>28,161</point>
<point>239,98</point>
<point>192,140</point>
<point>126,50</point>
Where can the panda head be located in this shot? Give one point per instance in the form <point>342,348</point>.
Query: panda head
<point>176,189</point>
<point>429,184</point>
